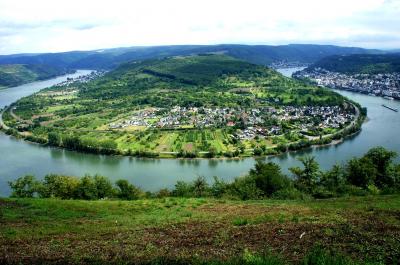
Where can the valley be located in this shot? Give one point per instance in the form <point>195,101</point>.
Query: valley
<point>193,106</point>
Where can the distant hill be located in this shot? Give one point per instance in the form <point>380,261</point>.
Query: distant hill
<point>111,58</point>
<point>18,74</point>
<point>360,63</point>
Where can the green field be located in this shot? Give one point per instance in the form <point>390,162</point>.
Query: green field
<point>78,115</point>
<point>94,232</point>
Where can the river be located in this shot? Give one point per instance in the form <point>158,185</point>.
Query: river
<point>18,157</point>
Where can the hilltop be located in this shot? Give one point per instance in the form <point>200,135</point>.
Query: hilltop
<point>360,63</point>
<point>184,106</point>
<point>111,58</point>
<point>18,74</point>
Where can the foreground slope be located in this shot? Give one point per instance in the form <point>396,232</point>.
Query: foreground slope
<point>48,231</point>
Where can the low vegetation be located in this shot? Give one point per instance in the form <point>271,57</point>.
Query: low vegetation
<point>262,218</point>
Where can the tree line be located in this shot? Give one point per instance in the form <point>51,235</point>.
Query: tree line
<point>374,173</point>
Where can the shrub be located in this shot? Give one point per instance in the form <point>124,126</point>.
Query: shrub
<point>219,188</point>
<point>245,188</point>
<point>163,193</point>
<point>24,187</point>
<point>127,191</point>
<point>200,187</point>
<point>269,178</point>
<point>182,189</point>
<point>361,172</point>
<point>103,186</point>
<point>63,187</point>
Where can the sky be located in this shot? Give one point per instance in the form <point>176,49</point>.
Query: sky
<point>32,26</point>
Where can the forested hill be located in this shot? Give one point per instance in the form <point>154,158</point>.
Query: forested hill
<point>202,80</point>
<point>360,63</point>
<point>18,74</point>
<point>111,58</point>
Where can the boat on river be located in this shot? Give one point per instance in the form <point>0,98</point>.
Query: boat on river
<point>393,109</point>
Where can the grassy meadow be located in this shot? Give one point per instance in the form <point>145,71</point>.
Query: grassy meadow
<point>190,230</point>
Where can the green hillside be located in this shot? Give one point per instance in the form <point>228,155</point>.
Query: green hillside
<point>360,64</point>
<point>348,231</point>
<point>111,58</point>
<point>178,105</point>
<point>18,74</point>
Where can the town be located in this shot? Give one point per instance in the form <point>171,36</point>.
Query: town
<point>82,78</point>
<point>385,85</point>
<point>247,123</point>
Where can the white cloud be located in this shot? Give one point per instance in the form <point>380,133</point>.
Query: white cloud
<point>48,25</point>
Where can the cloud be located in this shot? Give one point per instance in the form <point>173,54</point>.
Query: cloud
<point>48,25</point>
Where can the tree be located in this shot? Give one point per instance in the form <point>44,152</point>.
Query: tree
<point>127,191</point>
<point>200,186</point>
<point>307,177</point>
<point>87,188</point>
<point>54,139</point>
<point>24,187</point>
<point>245,188</point>
<point>63,187</point>
<point>269,178</point>
<point>361,172</point>
<point>182,189</point>
<point>219,187</point>
<point>103,186</point>
<point>382,159</point>
<point>334,179</point>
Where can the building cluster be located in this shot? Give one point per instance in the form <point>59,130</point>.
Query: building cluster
<point>287,64</point>
<point>82,78</point>
<point>386,85</point>
<point>248,123</point>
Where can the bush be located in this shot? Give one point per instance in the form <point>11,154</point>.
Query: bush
<point>182,189</point>
<point>269,178</point>
<point>127,191</point>
<point>163,193</point>
<point>200,187</point>
<point>63,187</point>
<point>24,187</point>
<point>245,188</point>
<point>219,188</point>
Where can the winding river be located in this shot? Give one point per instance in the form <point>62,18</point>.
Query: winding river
<point>19,158</point>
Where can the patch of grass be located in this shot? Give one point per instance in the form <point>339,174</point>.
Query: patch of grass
<point>210,230</point>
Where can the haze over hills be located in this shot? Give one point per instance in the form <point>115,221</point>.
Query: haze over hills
<point>110,58</point>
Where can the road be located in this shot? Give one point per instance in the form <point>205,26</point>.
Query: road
<point>353,122</point>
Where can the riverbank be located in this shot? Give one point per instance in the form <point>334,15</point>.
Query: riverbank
<point>49,231</point>
<point>323,140</point>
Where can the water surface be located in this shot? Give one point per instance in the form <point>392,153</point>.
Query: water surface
<point>19,158</point>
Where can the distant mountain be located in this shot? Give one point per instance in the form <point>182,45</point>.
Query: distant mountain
<point>18,74</point>
<point>360,63</point>
<point>111,58</point>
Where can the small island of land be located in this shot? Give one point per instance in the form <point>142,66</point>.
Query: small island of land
<point>207,105</point>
